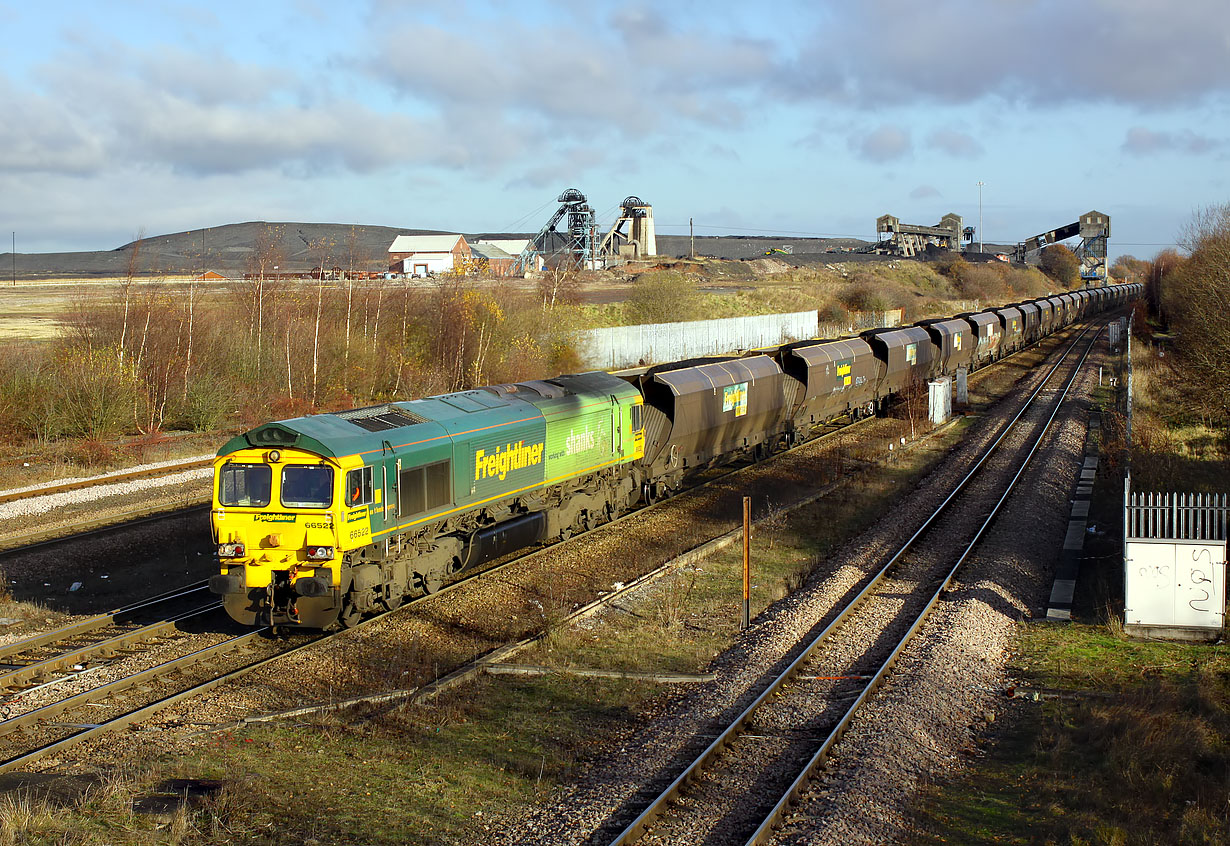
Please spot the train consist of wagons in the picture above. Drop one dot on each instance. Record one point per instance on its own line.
(326, 518)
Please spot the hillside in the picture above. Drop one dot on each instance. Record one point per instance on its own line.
(229, 249)
(301, 246)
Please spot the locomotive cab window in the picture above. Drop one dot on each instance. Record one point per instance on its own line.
(638, 422)
(359, 487)
(307, 486)
(426, 488)
(245, 485)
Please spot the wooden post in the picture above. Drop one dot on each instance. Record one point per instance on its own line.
(747, 561)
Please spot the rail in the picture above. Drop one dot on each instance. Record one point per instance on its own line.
(692, 772)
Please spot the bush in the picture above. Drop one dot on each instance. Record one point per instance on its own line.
(663, 296)
(96, 395)
(1194, 296)
(209, 402)
(1062, 265)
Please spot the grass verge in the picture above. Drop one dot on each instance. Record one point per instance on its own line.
(1135, 751)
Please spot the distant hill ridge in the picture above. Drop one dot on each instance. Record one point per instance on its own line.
(229, 249)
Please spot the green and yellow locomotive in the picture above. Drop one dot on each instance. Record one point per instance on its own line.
(332, 516)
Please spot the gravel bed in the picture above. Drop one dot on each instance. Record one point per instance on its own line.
(946, 686)
(632, 769)
(737, 792)
(110, 569)
(92, 677)
(102, 477)
(39, 505)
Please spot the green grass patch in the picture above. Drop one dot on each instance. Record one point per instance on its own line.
(421, 774)
(1137, 753)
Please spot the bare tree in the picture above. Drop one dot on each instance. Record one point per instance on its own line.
(265, 257)
(352, 249)
(323, 246)
(133, 264)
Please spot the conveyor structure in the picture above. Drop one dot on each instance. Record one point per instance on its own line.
(910, 239)
(1093, 227)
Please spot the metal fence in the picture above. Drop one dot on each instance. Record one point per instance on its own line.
(1176, 516)
(651, 343)
(617, 347)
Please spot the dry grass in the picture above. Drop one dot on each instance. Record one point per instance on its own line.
(1137, 754)
(1175, 446)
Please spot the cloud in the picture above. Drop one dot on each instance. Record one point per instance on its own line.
(885, 144)
(41, 135)
(115, 108)
(1043, 52)
(922, 192)
(954, 143)
(1145, 142)
(634, 73)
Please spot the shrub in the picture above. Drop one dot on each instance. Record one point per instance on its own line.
(1061, 264)
(663, 296)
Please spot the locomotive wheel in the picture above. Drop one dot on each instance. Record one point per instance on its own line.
(350, 616)
(392, 603)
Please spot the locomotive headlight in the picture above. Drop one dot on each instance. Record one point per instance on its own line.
(230, 550)
(319, 553)
(275, 456)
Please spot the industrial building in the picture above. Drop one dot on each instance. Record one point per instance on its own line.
(424, 255)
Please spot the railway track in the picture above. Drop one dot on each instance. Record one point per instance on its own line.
(124, 476)
(74, 647)
(141, 694)
(775, 744)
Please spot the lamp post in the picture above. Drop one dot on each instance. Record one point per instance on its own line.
(980, 245)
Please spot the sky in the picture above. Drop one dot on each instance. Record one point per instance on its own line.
(791, 118)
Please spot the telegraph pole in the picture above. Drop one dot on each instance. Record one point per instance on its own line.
(692, 239)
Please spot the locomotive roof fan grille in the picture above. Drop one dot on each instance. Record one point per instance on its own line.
(379, 418)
